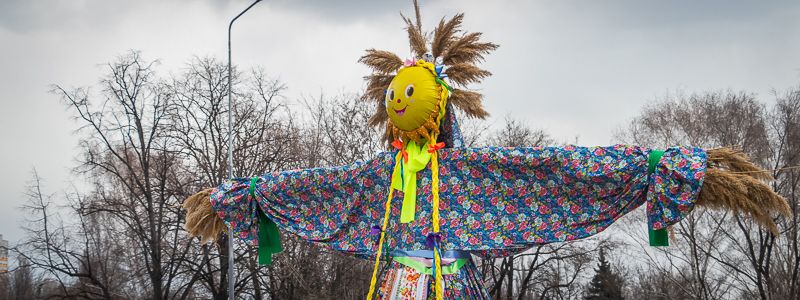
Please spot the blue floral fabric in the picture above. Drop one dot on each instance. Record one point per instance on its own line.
(450, 131)
(494, 200)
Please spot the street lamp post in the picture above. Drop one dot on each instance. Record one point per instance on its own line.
(231, 281)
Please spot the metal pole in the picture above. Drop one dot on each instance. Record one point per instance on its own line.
(231, 280)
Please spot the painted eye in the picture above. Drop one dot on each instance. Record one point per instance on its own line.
(409, 90)
(389, 95)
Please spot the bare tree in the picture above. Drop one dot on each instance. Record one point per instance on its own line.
(725, 256)
(263, 139)
(784, 128)
(82, 257)
(127, 156)
(153, 141)
(515, 133)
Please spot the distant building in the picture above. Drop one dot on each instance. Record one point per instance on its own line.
(3, 255)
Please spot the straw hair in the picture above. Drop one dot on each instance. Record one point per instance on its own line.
(469, 102)
(734, 183)
(444, 34)
(381, 61)
(376, 90)
(201, 220)
(459, 51)
(415, 37)
(736, 161)
(379, 117)
(466, 73)
(467, 49)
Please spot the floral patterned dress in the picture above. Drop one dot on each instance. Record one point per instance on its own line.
(494, 201)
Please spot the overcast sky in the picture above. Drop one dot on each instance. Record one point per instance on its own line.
(573, 68)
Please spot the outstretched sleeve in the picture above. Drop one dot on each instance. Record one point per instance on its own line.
(329, 206)
(513, 198)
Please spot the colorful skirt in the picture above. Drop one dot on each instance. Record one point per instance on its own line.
(407, 283)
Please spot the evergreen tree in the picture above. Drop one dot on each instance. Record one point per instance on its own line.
(605, 285)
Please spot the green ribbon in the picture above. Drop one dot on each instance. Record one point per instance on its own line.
(445, 85)
(657, 237)
(269, 239)
(653, 159)
(418, 158)
(423, 269)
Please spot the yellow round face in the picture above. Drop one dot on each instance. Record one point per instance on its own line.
(412, 97)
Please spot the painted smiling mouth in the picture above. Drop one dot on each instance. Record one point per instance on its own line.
(400, 112)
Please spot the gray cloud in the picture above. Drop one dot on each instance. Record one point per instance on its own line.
(572, 68)
(344, 10)
(27, 16)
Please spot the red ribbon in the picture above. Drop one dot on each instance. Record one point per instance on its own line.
(435, 147)
(399, 145)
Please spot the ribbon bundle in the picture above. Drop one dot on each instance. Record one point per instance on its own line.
(269, 239)
(657, 237)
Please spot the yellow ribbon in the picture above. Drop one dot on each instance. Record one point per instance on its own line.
(386, 214)
(437, 255)
(418, 158)
(437, 259)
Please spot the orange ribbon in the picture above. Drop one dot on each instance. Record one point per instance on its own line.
(399, 145)
(435, 147)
